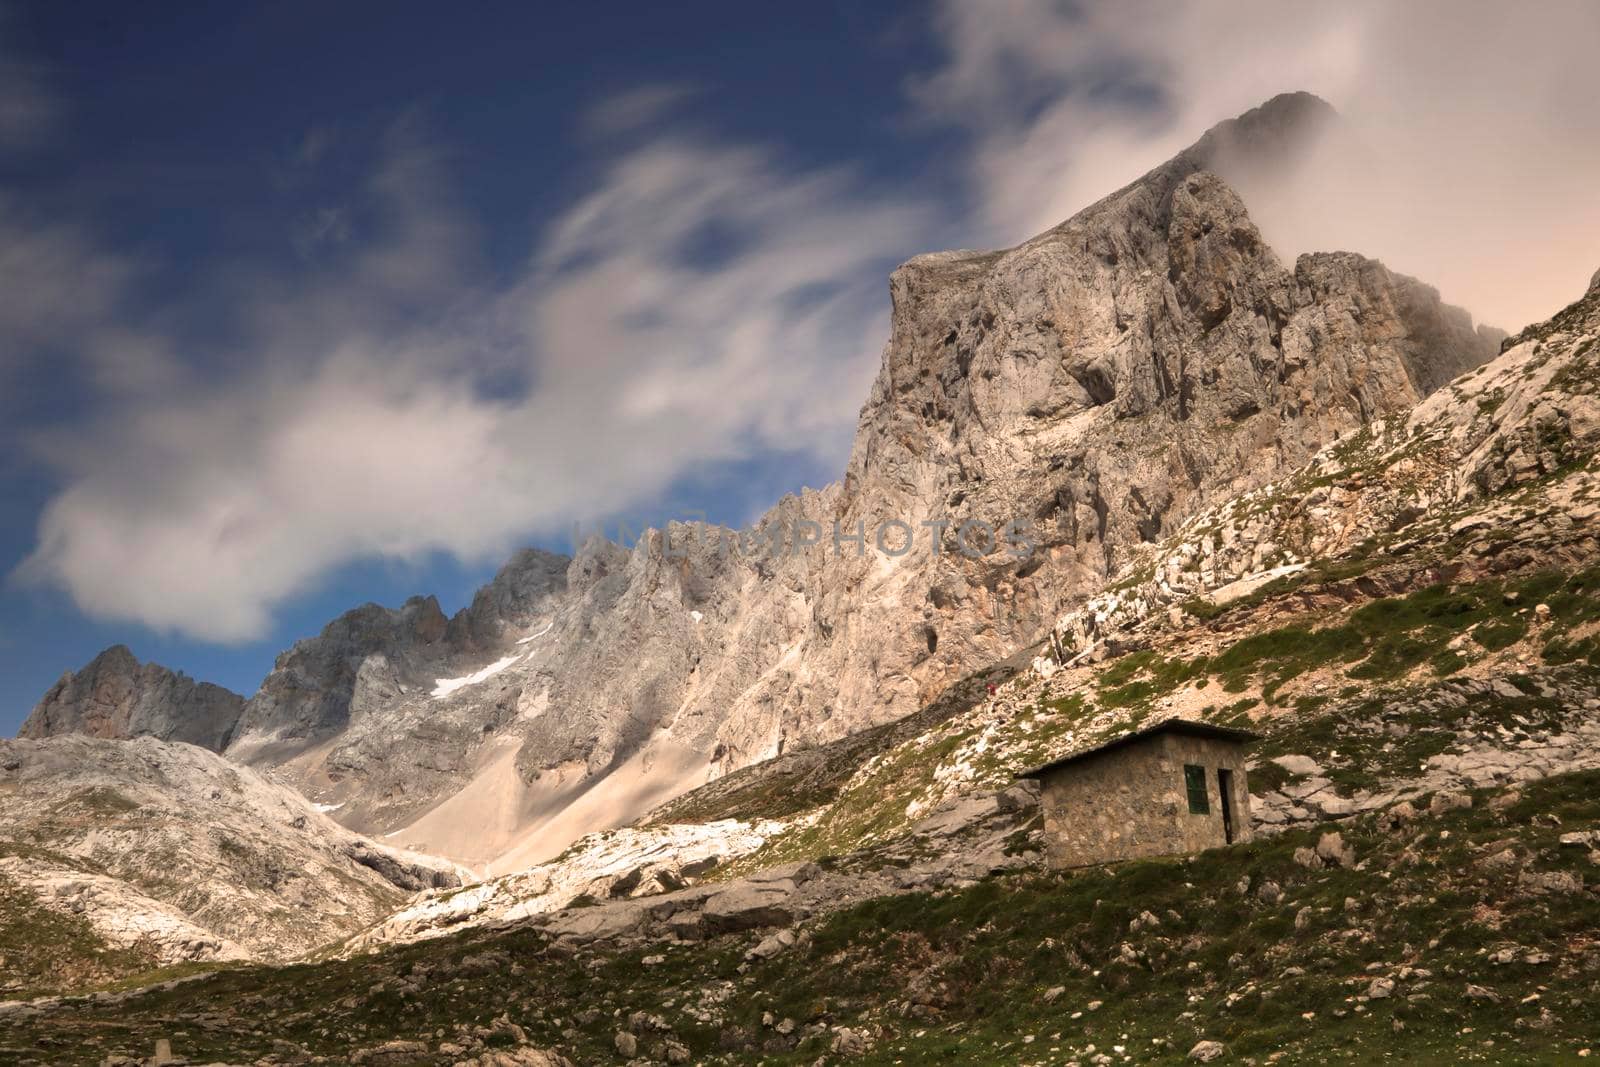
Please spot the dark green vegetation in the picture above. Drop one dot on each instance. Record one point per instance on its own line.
(44, 949)
(1382, 640)
(1480, 918)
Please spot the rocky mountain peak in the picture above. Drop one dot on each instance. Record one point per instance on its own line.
(372, 656)
(1259, 148)
(1274, 133)
(115, 696)
(511, 600)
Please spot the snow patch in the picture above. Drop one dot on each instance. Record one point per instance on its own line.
(325, 808)
(696, 616)
(443, 687)
(591, 866)
(541, 633)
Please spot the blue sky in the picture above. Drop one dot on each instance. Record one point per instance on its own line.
(198, 137)
(306, 305)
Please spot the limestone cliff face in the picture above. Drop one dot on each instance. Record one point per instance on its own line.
(1102, 382)
(1489, 488)
(1099, 383)
(117, 697)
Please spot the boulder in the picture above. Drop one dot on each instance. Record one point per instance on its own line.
(598, 923)
(851, 1042)
(516, 1057)
(1304, 766)
(1332, 850)
(750, 905)
(957, 814)
(685, 926)
(771, 945)
(1021, 797)
(1550, 882)
(393, 1054)
(799, 872)
(1308, 858)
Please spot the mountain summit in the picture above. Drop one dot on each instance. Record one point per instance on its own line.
(115, 696)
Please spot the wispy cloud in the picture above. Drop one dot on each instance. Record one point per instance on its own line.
(703, 303)
(54, 280)
(634, 109)
(28, 110)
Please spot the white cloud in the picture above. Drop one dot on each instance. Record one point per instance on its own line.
(702, 303)
(1475, 135)
(635, 109)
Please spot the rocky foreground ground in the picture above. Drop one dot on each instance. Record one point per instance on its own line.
(1461, 928)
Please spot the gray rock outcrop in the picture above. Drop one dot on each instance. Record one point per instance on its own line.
(115, 696)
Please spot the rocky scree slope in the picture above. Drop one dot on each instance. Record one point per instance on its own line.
(174, 854)
(116, 696)
(1103, 381)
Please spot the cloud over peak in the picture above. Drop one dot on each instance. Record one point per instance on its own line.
(702, 303)
(1469, 146)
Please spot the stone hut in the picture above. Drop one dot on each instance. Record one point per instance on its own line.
(1170, 789)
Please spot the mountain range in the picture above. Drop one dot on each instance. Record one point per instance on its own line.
(1309, 498)
(1100, 384)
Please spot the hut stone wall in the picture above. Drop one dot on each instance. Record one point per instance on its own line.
(1132, 801)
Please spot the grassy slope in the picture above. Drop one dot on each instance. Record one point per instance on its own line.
(1373, 651)
(42, 950)
(1393, 642)
(1437, 895)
